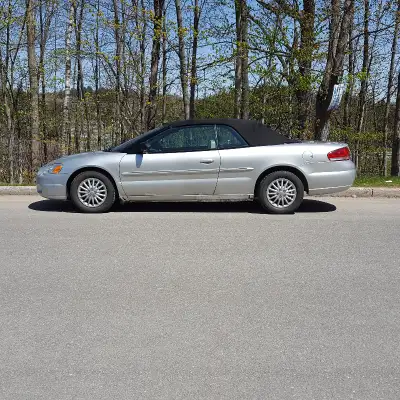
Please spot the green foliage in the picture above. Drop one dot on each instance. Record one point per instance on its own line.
(216, 106)
(377, 181)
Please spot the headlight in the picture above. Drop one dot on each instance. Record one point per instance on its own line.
(55, 169)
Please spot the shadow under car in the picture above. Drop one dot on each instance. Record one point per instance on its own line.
(307, 206)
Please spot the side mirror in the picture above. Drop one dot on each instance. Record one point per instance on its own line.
(144, 147)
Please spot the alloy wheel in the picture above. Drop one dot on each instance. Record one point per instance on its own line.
(281, 193)
(92, 192)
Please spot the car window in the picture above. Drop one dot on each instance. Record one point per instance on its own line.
(131, 146)
(228, 138)
(185, 139)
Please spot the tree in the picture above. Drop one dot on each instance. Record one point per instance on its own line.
(182, 59)
(350, 81)
(155, 59)
(46, 12)
(96, 75)
(66, 122)
(395, 170)
(140, 27)
(301, 52)
(390, 86)
(164, 68)
(364, 71)
(8, 59)
(193, 72)
(33, 84)
(305, 58)
(79, 6)
(118, 53)
(241, 102)
(338, 44)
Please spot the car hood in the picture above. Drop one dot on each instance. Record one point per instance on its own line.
(101, 159)
(76, 157)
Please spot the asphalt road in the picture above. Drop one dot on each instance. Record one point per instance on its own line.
(200, 301)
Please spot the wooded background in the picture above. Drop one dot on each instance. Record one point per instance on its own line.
(82, 75)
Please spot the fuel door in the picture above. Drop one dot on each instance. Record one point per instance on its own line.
(308, 157)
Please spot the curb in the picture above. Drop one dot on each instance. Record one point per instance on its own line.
(355, 192)
(18, 190)
(376, 192)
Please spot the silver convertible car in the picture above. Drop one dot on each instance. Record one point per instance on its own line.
(201, 160)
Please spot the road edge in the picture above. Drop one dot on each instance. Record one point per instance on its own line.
(376, 192)
(352, 192)
(18, 190)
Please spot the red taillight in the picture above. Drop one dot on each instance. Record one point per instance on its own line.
(339, 154)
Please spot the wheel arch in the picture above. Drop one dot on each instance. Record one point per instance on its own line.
(90, 168)
(287, 168)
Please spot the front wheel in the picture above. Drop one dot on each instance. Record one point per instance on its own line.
(92, 192)
(280, 192)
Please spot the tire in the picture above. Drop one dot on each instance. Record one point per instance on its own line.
(280, 192)
(92, 192)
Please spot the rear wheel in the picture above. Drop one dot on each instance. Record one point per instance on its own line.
(280, 192)
(92, 192)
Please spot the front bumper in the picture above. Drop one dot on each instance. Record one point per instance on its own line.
(52, 186)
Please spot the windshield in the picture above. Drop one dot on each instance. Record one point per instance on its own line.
(123, 147)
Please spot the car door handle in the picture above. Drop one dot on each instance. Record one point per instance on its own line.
(207, 161)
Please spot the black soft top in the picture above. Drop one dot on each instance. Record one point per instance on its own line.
(255, 133)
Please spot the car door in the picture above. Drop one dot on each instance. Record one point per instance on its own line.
(236, 175)
(181, 161)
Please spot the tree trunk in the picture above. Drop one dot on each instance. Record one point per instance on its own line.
(390, 87)
(33, 85)
(97, 79)
(117, 36)
(66, 124)
(143, 122)
(241, 99)
(45, 22)
(374, 108)
(350, 84)
(238, 60)
(364, 72)
(307, 40)
(193, 73)
(11, 138)
(244, 106)
(164, 71)
(290, 72)
(22, 153)
(182, 59)
(42, 79)
(333, 71)
(395, 170)
(11, 141)
(5, 94)
(155, 59)
(83, 114)
(79, 79)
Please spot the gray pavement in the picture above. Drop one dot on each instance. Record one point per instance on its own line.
(200, 301)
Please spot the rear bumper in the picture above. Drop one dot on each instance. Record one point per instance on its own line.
(332, 181)
(52, 186)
